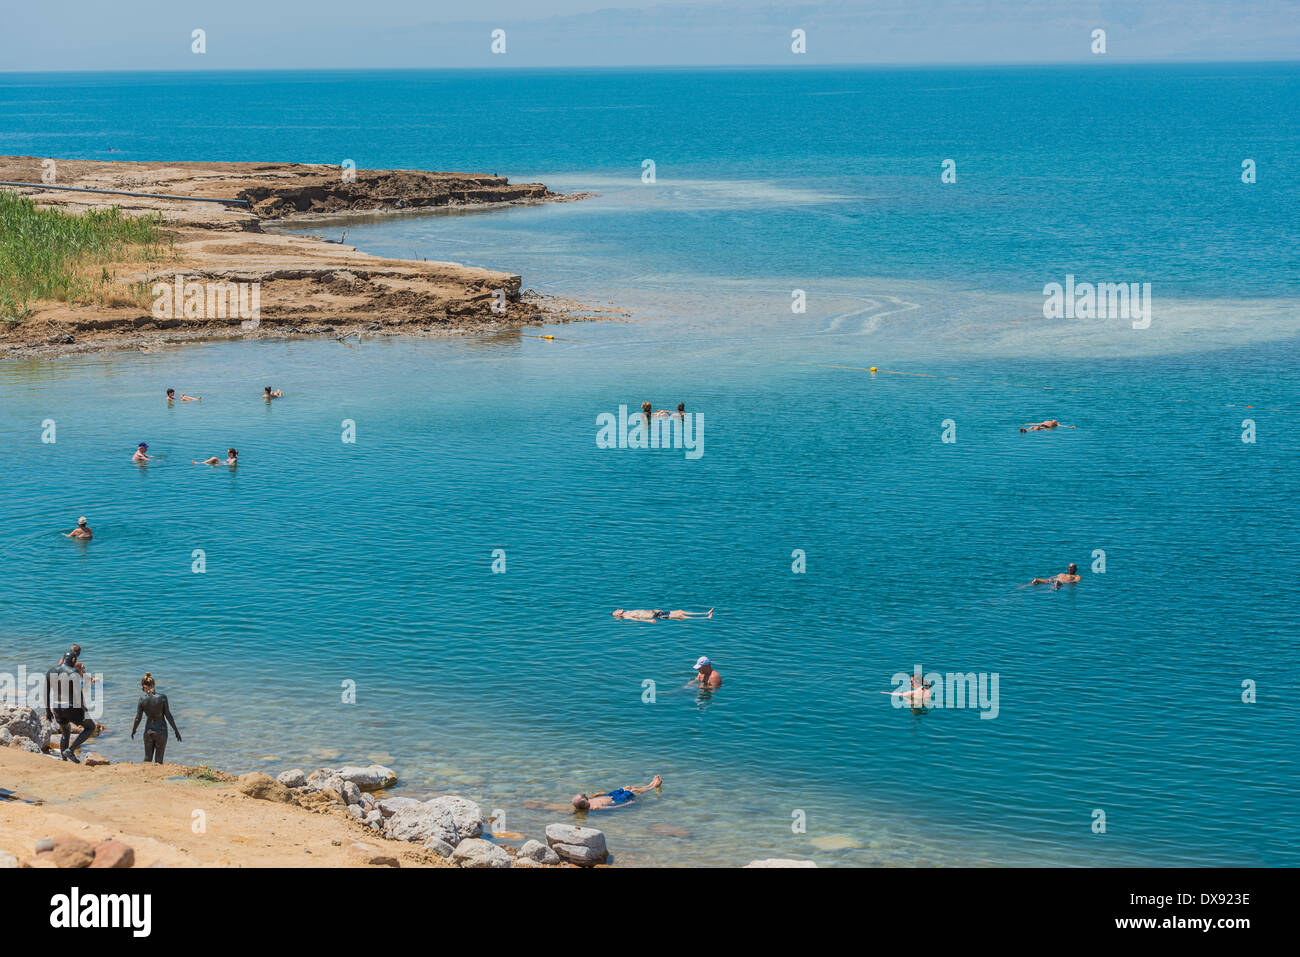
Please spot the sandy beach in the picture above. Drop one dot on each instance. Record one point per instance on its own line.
(306, 286)
(152, 809)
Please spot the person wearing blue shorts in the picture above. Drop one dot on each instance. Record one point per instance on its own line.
(619, 797)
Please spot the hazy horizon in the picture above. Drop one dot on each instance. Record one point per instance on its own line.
(84, 36)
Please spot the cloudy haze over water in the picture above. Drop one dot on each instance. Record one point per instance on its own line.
(344, 34)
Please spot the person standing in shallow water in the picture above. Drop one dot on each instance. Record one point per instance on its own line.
(154, 708)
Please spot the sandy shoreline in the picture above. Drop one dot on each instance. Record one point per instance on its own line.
(307, 286)
(152, 808)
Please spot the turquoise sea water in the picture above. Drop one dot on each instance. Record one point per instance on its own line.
(372, 562)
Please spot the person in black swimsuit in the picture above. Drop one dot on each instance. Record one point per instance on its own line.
(159, 715)
(65, 704)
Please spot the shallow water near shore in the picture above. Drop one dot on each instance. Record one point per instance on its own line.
(372, 562)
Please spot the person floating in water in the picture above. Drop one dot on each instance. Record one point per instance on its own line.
(268, 393)
(81, 531)
(142, 454)
(705, 674)
(1068, 577)
(615, 798)
(1045, 425)
(158, 714)
(232, 458)
(65, 704)
(658, 614)
(681, 410)
(171, 397)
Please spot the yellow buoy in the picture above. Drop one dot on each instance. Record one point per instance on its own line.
(873, 368)
(548, 337)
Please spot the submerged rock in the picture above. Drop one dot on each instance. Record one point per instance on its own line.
(780, 862)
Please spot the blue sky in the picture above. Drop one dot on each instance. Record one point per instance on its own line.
(349, 34)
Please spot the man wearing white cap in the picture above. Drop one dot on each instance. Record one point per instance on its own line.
(81, 531)
(705, 675)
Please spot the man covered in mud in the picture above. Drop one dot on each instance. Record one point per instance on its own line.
(65, 702)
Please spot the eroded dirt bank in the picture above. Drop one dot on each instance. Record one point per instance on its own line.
(304, 286)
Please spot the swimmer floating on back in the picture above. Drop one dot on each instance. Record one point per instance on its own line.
(268, 393)
(171, 397)
(681, 410)
(232, 459)
(1045, 426)
(615, 798)
(658, 614)
(1068, 577)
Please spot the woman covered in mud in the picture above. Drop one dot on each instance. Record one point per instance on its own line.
(153, 706)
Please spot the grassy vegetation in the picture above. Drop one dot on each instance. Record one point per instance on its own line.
(49, 254)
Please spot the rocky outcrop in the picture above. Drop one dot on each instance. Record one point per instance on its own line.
(469, 819)
(422, 823)
(326, 190)
(22, 722)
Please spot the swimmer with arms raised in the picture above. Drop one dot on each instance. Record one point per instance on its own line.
(658, 614)
(615, 798)
(1068, 577)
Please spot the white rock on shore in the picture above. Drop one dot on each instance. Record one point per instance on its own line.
(584, 846)
(424, 822)
(539, 852)
(467, 815)
(293, 779)
(441, 848)
(476, 852)
(390, 806)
